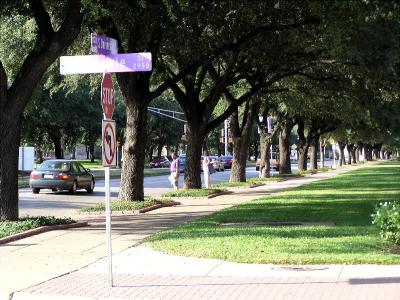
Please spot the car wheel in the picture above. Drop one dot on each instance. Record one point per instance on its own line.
(91, 187)
(35, 190)
(73, 189)
(257, 168)
(54, 190)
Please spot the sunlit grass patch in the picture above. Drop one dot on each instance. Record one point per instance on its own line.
(347, 200)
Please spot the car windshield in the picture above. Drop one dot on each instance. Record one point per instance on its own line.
(55, 165)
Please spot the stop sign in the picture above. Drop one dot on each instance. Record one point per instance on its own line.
(107, 96)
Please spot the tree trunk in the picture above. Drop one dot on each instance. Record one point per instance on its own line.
(322, 153)
(341, 153)
(91, 152)
(302, 147)
(39, 156)
(314, 152)
(377, 150)
(360, 154)
(159, 149)
(353, 154)
(284, 149)
(13, 99)
(9, 143)
(350, 148)
(240, 149)
(265, 145)
(241, 140)
(55, 137)
(195, 138)
(302, 161)
(131, 188)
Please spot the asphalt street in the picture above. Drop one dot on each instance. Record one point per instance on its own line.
(62, 204)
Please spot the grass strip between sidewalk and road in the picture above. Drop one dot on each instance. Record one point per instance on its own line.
(347, 201)
(129, 206)
(249, 183)
(8, 228)
(193, 192)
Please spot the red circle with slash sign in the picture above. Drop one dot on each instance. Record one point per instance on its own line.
(109, 144)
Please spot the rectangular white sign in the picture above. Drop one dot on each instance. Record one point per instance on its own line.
(109, 143)
(113, 63)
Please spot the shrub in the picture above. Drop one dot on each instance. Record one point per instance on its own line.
(387, 218)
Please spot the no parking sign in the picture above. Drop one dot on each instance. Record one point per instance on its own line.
(109, 143)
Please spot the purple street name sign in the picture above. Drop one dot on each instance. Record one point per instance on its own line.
(113, 63)
(103, 45)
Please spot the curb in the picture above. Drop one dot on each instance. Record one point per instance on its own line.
(131, 212)
(157, 206)
(41, 229)
(244, 187)
(219, 194)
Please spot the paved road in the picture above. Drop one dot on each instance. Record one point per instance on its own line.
(62, 204)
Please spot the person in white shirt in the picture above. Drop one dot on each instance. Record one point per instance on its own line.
(206, 170)
(174, 177)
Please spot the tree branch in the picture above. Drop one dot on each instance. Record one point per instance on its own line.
(262, 29)
(180, 98)
(44, 54)
(42, 18)
(232, 107)
(172, 81)
(199, 80)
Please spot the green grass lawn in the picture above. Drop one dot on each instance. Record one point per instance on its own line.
(118, 205)
(193, 192)
(347, 200)
(22, 183)
(97, 164)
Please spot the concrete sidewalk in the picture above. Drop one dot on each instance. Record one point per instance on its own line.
(28, 266)
(142, 273)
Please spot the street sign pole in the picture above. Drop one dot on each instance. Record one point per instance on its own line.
(108, 226)
(107, 60)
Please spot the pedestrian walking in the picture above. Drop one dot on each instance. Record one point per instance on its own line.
(208, 169)
(174, 177)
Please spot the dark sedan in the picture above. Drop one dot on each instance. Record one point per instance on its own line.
(160, 162)
(227, 161)
(61, 174)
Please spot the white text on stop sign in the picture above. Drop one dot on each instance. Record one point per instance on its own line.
(108, 95)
